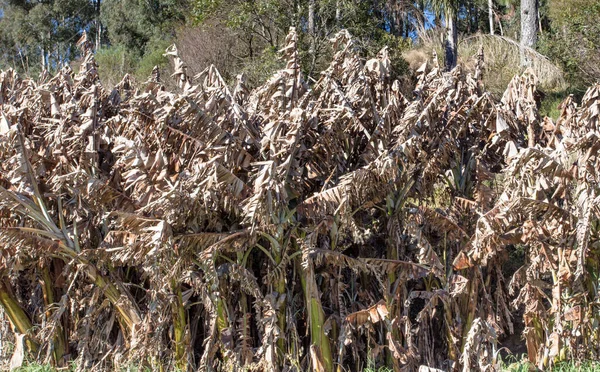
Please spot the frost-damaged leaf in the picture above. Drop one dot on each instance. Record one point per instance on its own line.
(429, 369)
(18, 357)
(372, 315)
(195, 226)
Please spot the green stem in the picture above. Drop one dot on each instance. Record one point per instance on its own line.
(318, 339)
(222, 324)
(126, 308)
(280, 288)
(179, 327)
(471, 308)
(59, 348)
(129, 314)
(392, 253)
(245, 357)
(17, 316)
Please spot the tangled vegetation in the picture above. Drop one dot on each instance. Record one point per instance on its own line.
(296, 227)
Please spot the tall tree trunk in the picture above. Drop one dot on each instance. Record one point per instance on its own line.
(338, 12)
(26, 69)
(451, 41)
(297, 14)
(421, 15)
(477, 19)
(500, 26)
(312, 34)
(469, 18)
(43, 54)
(98, 25)
(311, 19)
(529, 27)
(491, 15)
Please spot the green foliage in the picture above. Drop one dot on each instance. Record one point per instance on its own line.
(153, 56)
(523, 366)
(570, 366)
(262, 25)
(41, 34)
(550, 103)
(574, 39)
(371, 367)
(203, 9)
(370, 44)
(135, 23)
(36, 368)
(260, 69)
(126, 23)
(73, 367)
(380, 369)
(116, 61)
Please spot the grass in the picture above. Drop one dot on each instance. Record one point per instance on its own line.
(588, 366)
(35, 368)
(568, 366)
(549, 105)
(517, 366)
(375, 369)
(71, 368)
(371, 367)
(553, 98)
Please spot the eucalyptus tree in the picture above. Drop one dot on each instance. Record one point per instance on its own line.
(40, 35)
(529, 28)
(491, 15)
(133, 23)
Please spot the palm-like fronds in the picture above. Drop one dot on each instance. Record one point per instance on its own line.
(294, 226)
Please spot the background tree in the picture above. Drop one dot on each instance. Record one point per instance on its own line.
(242, 36)
(529, 28)
(137, 34)
(448, 9)
(291, 229)
(134, 24)
(262, 25)
(491, 15)
(42, 34)
(572, 39)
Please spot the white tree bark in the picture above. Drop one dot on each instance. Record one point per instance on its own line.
(491, 15)
(529, 27)
(311, 17)
(43, 54)
(98, 25)
(311, 28)
(451, 41)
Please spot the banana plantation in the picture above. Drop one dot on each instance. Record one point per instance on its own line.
(305, 225)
